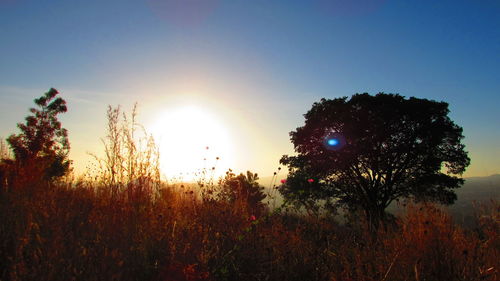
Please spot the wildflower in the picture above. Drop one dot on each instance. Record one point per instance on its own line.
(252, 218)
(310, 180)
(283, 181)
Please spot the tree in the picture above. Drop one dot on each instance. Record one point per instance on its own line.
(365, 152)
(42, 144)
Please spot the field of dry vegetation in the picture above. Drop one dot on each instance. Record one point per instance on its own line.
(122, 222)
(142, 231)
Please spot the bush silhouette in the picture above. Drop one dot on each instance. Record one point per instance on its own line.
(243, 190)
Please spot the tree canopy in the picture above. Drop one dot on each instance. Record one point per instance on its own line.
(43, 143)
(367, 151)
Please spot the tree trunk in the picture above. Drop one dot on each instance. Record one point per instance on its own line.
(375, 216)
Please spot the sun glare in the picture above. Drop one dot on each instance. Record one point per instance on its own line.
(192, 141)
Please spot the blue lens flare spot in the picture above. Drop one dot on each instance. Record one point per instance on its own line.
(333, 142)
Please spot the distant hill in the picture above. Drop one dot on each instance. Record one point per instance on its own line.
(474, 188)
(479, 188)
(475, 191)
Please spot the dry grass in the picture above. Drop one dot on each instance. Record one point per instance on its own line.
(68, 233)
(123, 223)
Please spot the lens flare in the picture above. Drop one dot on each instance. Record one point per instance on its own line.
(334, 141)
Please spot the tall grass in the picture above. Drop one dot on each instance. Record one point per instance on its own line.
(123, 223)
(67, 233)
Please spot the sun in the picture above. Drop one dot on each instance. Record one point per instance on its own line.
(191, 141)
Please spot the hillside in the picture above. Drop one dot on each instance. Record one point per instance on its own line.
(475, 191)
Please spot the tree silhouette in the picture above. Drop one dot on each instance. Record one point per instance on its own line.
(42, 146)
(367, 151)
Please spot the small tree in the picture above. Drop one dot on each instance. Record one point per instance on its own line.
(42, 144)
(366, 152)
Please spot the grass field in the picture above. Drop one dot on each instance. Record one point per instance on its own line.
(87, 232)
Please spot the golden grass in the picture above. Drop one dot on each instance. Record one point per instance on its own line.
(81, 233)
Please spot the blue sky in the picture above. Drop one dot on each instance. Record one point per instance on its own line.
(259, 64)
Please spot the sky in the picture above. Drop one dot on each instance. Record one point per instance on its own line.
(248, 70)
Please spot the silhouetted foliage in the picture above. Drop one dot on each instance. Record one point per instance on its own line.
(42, 147)
(86, 232)
(131, 157)
(394, 148)
(243, 188)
